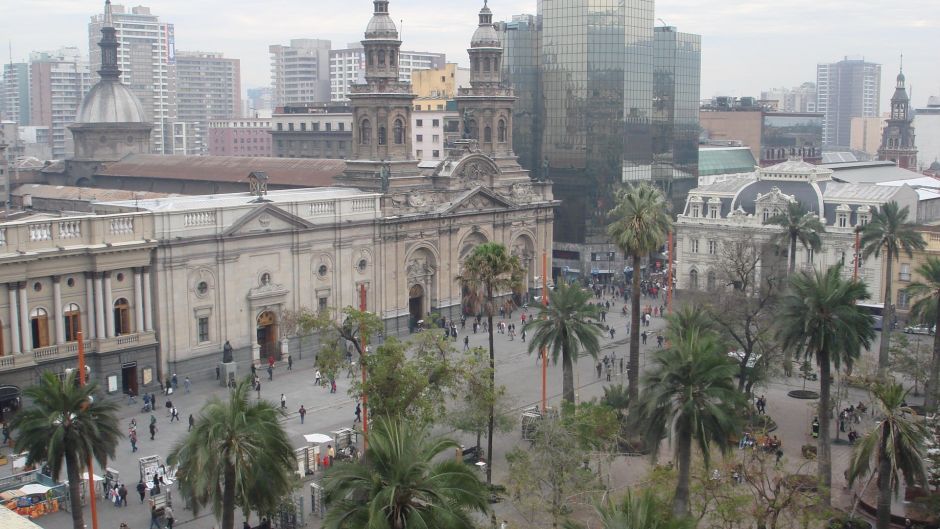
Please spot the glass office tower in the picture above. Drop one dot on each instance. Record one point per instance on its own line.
(521, 39)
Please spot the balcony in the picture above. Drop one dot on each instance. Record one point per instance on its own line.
(52, 235)
(70, 350)
(904, 276)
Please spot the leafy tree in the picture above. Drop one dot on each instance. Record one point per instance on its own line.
(818, 318)
(798, 225)
(351, 325)
(490, 270)
(889, 231)
(566, 327)
(927, 309)
(403, 482)
(237, 455)
(910, 358)
(641, 224)
(471, 412)
(690, 391)
(895, 445)
(639, 509)
(70, 424)
(301, 322)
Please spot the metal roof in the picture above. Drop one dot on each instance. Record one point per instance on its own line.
(290, 172)
(868, 173)
(83, 193)
(725, 160)
(850, 192)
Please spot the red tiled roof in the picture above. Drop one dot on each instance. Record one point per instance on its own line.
(295, 172)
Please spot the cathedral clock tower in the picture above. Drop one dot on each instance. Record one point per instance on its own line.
(897, 141)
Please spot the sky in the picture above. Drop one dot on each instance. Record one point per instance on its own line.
(747, 45)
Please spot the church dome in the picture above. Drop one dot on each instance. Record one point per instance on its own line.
(485, 37)
(381, 27)
(935, 166)
(111, 102)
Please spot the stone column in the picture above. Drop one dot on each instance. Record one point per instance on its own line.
(25, 329)
(14, 322)
(99, 307)
(108, 305)
(147, 300)
(57, 310)
(138, 302)
(89, 328)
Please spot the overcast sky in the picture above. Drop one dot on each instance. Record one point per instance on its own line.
(747, 45)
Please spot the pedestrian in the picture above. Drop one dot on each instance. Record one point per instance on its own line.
(175, 382)
(598, 368)
(218, 373)
(192, 422)
(154, 515)
(523, 335)
(258, 389)
(611, 333)
(283, 401)
(331, 453)
(317, 377)
(302, 412)
(141, 490)
(254, 370)
(175, 415)
(608, 373)
(168, 515)
(332, 385)
(643, 337)
(659, 340)
(187, 384)
(155, 490)
(122, 492)
(290, 363)
(133, 439)
(153, 430)
(270, 372)
(358, 413)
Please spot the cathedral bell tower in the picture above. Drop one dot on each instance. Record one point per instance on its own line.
(897, 141)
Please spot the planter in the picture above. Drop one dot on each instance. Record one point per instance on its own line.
(803, 394)
(803, 482)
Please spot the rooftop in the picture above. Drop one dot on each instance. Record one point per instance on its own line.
(83, 193)
(200, 202)
(725, 160)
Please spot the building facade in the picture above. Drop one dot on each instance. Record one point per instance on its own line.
(521, 38)
(208, 87)
(148, 65)
(58, 81)
(240, 137)
(897, 142)
(347, 68)
(300, 72)
(772, 136)
(312, 131)
(846, 89)
(797, 99)
(927, 141)
(14, 96)
(866, 135)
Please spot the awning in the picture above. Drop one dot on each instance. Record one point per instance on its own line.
(318, 438)
(34, 488)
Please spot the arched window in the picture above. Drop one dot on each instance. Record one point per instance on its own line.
(473, 129)
(710, 281)
(486, 64)
(383, 139)
(501, 131)
(487, 134)
(399, 132)
(365, 132)
(475, 64)
(381, 57)
(370, 58)
(73, 322)
(39, 327)
(693, 280)
(122, 317)
(391, 58)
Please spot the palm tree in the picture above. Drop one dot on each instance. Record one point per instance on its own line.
(798, 225)
(895, 445)
(402, 482)
(489, 271)
(641, 223)
(818, 317)
(237, 454)
(65, 422)
(690, 393)
(927, 308)
(889, 231)
(567, 326)
(637, 510)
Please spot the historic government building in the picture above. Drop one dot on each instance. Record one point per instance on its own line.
(159, 284)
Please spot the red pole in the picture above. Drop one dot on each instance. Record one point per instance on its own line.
(544, 351)
(91, 473)
(669, 274)
(858, 236)
(365, 399)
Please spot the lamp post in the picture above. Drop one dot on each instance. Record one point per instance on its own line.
(544, 351)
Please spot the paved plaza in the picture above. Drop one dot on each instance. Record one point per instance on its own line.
(516, 369)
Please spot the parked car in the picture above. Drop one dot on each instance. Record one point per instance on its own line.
(919, 329)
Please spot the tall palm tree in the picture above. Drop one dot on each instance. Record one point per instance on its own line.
(637, 510)
(895, 445)
(690, 393)
(818, 317)
(568, 325)
(889, 231)
(640, 226)
(927, 308)
(800, 226)
(67, 423)
(237, 451)
(490, 270)
(404, 483)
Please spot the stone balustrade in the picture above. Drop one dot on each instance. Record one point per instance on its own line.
(70, 350)
(31, 236)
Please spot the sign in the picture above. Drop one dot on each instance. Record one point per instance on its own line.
(603, 256)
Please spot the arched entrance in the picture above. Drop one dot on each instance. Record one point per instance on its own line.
(415, 305)
(267, 334)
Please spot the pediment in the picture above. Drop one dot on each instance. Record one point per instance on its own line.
(478, 199)
(267, 218)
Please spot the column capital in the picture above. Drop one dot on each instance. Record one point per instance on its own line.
(90, 275)
(56, 278)
(106, 274)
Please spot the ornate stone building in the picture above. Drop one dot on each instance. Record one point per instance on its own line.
(897, 140)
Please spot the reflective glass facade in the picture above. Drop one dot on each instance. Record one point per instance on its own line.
(784, 135)
(521, 40)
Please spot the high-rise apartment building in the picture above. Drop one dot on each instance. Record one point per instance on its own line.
(347, 67)
(850, 88)
(58, 81)
(300, 72)
(147, 60)
(797, 99)
(14, 93)
(208, 87)
(260, 102)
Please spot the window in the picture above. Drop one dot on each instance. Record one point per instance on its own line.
(419, 153)
(435, 123)
(905, 273)
(436, 138)
(712, 247)
(342, 127)
(290, 127)
(713, 211)
(501, 131)
(693, 246)
(383, 139)
(693, 280)
(435, 153)
(202, 329)
(280, 127)
(328, 126)
(487, 134)
(710, 281)
(904, 299)
(766, 214)
(365, 132)
(73, 322)
(843, 220)
(39, 327)
(419, 138)
(122, 318)
(419, 122)
(694, 211)
(303, 127)
(322, 304)
(316, 126)
(399, 132)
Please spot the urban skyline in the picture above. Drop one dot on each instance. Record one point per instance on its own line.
(763, 51)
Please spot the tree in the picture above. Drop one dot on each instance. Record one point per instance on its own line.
(566, 327)
(67, 423)
(889, 231)
(489, 271)
(818, 318)
(471, 413)
(301, 322)
(237, 455)
(927, 308)
(800, 226)
(641, 224)
(895, 445)
(353, 326)
(640, 509)
(403, 482)
(690, 394)
(910, 358)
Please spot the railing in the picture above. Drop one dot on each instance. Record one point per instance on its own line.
(26, 236)
(45, 353)
(3, 236)
(121, 226)
(363, 204)
(904, 276)
(323, 208)
(70, 229)
(199, 218)
(8, 360)
(40, 232)
(127, 339)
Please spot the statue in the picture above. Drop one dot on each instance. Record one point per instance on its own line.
(467, 120)
(385, 174)
(227, 352)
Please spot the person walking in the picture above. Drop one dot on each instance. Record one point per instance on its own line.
(317, 377)
(358, 413)
(122, 493)
(154, 515)
(330, 452)
(270, 372)
(187, 384)
(332, 385)
(175, 382)
(302, 412)
(258, 389)
(168, 515)
(192, 422)
(141, 490)
(283, 402)
(290, 363)
(153, 429)
(466, 343)
(132, 437)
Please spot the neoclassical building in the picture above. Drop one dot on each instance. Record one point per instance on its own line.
(736, 208)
